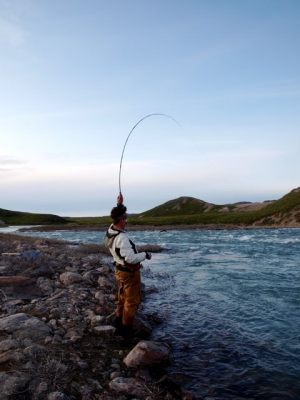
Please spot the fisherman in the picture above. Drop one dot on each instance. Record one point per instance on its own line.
(127, 261)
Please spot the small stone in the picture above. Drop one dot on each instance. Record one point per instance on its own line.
(105, 330)
(115, 374)
(96, 319)
(69, 278)
(57, 396)
(104, 282)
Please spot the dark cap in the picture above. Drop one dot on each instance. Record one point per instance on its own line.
(117, 213)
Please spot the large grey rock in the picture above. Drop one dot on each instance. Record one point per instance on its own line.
(129, 386)
(147, 353)
(22, 326)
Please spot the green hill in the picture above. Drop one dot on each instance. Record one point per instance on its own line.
(23, 218)
(188, 210)
(179, 207)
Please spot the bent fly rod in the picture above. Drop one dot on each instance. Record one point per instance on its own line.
(133, 128)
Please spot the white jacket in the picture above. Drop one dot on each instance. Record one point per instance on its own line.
(122, 248)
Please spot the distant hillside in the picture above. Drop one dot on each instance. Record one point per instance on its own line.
(22, 218)
(180, 206)
(188, 210)
(284, 212)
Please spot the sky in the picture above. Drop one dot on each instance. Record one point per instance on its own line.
(75, 76)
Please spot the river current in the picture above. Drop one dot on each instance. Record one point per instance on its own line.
(230, 304)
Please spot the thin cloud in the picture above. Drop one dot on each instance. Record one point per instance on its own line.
(11, 161)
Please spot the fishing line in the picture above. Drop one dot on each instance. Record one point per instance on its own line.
(133, 128)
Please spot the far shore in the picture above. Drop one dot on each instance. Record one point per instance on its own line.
(163, 228)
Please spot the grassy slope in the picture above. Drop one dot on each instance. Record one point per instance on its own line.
(194, 213)
(22, 218)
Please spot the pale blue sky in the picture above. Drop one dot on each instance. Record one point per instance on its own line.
(75, 76)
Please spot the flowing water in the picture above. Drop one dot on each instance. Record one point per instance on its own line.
(230, 300)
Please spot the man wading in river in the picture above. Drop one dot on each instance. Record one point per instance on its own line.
(127, 263)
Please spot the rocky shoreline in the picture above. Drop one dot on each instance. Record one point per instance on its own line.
(57, 334)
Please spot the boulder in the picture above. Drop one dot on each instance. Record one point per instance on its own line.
(146, 354)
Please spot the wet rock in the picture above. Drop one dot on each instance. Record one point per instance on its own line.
(128, 386)
(147, 353)
(69, 278)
